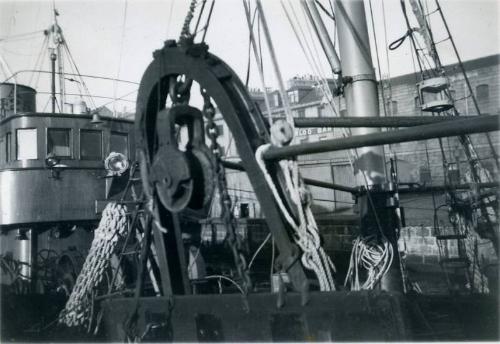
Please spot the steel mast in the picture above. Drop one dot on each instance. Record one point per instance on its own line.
(361, 96)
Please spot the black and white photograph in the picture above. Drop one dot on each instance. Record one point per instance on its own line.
(249, 171)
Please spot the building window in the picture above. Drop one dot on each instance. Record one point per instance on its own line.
(301, 113)
(91, 145)
(453, 94)
(59, 142)
(2, 149)
(119, 143)
(276, 99)
(320, 110)
(483, 92)
(425, 174)
(293, 96)
(394, 107)
(26, 144)
(8, 146)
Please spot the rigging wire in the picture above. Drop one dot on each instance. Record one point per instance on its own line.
(247, 78)
(386, 46)
(378, 59)
(169, 20)
(115, 84)
(208, 21)
(21, 36)
(274, 61)
(72, 74)
(82, 81)
(39, 61)
(330, 15)
(200, 15)
(258, 58)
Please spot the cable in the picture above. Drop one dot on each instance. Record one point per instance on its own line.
(258, 250)
(21, 36)
(208, 21)
(72, 74)
(258, 57)
(249, 47)
(330, 15)
(169, 20)
(227, 279)
(122, 39)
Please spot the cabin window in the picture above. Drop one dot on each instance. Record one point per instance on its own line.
(119, 143)
(91, 145)
(59, 142)
(8, 146)
(301, 113)
(26, 144)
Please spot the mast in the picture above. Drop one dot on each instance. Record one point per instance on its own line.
(54, 32)
(59, 41)
(361, 96)
(53, 58)
(322, 33)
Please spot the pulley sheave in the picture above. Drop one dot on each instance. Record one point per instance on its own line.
(182, 178)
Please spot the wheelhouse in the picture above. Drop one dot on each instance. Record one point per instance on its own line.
(52, 166)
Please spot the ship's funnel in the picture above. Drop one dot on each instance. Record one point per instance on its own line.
(16, 98)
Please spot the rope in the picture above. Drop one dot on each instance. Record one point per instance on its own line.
(376, 258)
(352, 153)
(398, 42)
(227, 279)
(258, 250)
(306, 234)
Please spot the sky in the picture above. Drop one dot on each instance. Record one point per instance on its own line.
(116, 38)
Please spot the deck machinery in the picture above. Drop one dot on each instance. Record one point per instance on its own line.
(181, 181)
(179, 175)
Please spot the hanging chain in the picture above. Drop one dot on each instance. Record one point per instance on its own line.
(185, 34)
(112, 228)
(225, 201)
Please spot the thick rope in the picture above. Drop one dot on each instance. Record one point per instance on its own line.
(306, 234)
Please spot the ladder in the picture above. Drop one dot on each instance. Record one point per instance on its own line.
(133, 197)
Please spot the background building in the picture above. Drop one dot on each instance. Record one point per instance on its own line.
(418, 162)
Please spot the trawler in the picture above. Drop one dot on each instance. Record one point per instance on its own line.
(194, 273)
